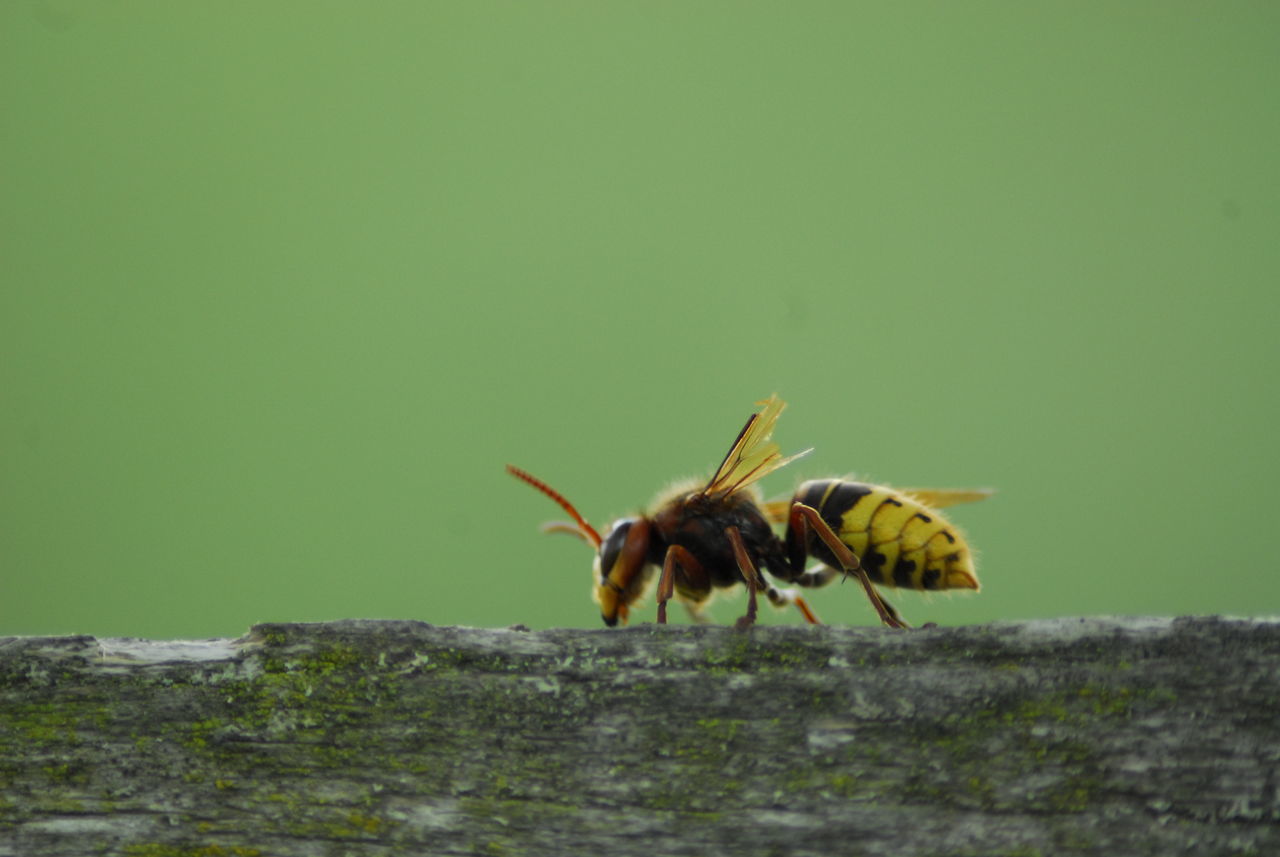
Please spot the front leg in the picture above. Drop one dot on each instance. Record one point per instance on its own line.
(694, 576)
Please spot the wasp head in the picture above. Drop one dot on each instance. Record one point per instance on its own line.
(621, 570)
(618, 574)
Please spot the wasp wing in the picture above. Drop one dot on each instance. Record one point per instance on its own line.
(941, 497)
(776, 511)
(752, 456)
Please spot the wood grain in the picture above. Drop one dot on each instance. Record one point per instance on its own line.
(1073, 736)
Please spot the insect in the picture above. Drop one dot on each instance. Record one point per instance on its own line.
(703, 537)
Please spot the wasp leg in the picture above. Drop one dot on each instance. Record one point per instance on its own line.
(749, 574)
(695, 575)
(892, 611)
(783, 597)
(821, 576)
(696, 615)
(803, 516)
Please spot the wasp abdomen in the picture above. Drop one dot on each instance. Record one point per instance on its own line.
(899, 541)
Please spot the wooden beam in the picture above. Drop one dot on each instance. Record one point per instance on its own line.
(1071, 736)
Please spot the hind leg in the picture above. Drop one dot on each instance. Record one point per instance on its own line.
(803, 517)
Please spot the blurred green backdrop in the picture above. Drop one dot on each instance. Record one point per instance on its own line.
(286, 284)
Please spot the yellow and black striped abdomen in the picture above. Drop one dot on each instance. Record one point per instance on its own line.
(899, 540)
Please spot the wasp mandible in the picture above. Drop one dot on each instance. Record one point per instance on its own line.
(704, 537)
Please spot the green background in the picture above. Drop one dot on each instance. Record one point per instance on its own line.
(285, 285)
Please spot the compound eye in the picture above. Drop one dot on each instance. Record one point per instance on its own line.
(612, 546)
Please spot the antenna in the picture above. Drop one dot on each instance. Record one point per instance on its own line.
(588, 532)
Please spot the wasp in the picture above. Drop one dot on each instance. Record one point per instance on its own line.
(703, 537)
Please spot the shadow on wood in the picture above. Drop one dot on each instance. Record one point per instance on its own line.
(1071, 736)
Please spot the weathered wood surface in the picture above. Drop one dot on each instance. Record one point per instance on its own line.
(1079, 736)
